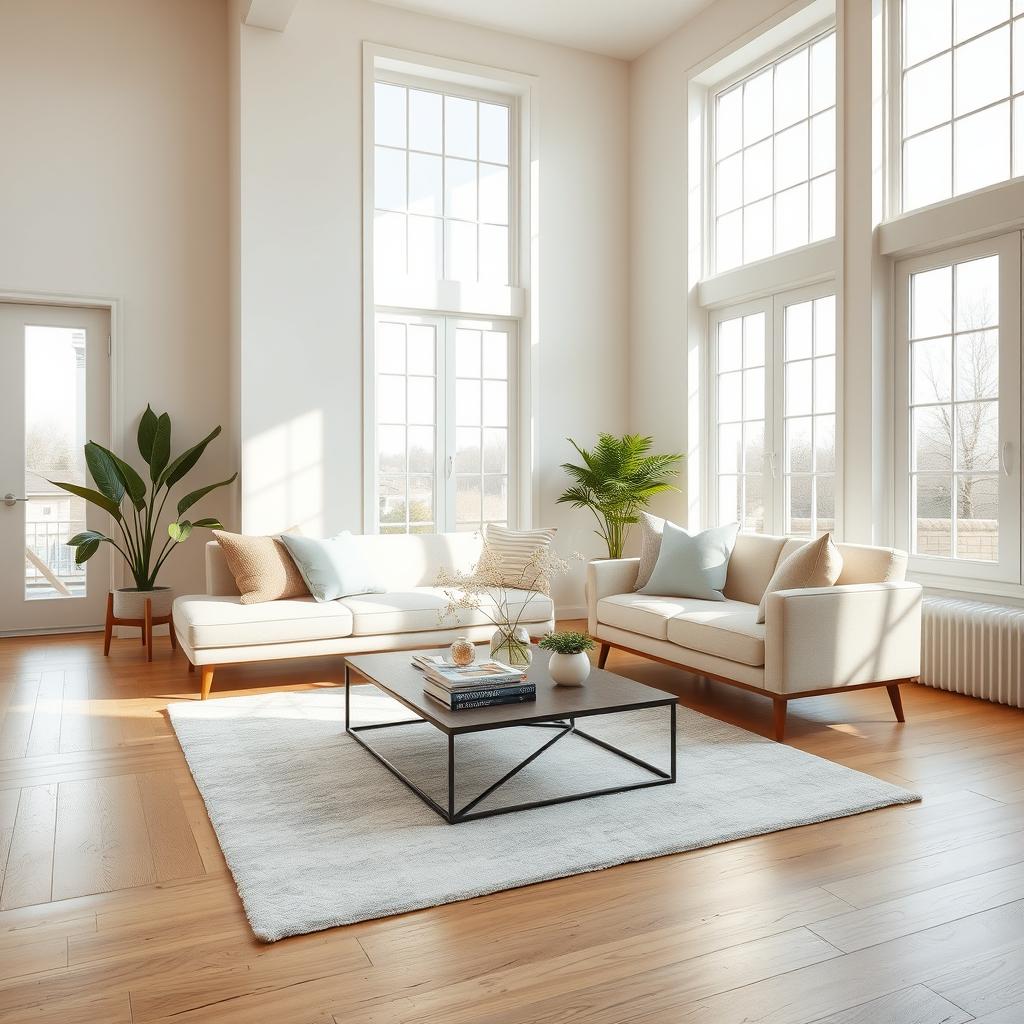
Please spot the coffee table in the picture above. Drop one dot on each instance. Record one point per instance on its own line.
(556, 708)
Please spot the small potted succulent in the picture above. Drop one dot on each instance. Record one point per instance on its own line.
(569, 664)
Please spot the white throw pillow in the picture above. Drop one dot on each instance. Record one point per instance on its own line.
(651, 528)
(332, 568)
(693, 565)
(816, 564)
(515, 549)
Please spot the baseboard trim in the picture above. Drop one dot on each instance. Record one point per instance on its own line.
(50, 631)
(578, 611)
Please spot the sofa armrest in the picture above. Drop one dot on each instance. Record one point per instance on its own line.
(824, 637)
(606, 577)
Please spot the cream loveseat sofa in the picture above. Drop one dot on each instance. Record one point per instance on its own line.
(215, 628)
(864, 631)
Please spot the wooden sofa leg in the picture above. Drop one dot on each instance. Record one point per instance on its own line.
(207, 681)
(779, 704)
(897, 701)
(602, 658)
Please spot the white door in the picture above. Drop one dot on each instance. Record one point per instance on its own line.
(54, 396)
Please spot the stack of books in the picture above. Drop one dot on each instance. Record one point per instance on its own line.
(483, 685)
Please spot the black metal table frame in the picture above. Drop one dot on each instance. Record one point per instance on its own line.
(564, 725)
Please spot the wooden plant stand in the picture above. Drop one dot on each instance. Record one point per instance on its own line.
(146, 624)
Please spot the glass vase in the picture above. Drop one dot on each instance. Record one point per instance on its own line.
(512, 646)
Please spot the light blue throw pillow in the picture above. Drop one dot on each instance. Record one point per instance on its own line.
(692, 564)
(331, 568)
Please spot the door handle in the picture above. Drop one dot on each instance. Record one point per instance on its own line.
(1004, 457)
(10, 499)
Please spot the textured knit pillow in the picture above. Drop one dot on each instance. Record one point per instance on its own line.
(693, 564)
(816, 564)
(515, 548)
(262, 567)
(332, 568)
(651, 528)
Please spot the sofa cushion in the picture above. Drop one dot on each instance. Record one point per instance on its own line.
(418, 609)
(205, 620)
(692, 564)
(754, 557)
(814, 564)
(726, 630)
(645, 614)
(262, 567)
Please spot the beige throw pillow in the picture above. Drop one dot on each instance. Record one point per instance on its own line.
(515, 548)
(651, 529)
(816, 564)
(262, 567)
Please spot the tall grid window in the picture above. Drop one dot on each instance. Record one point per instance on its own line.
(442, 192)
(774, 390)
(962, 96)
(775, 157)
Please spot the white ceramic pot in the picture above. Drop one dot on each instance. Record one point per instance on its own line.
(569, 669)
(130, 602)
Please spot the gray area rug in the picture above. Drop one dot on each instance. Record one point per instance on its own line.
(318, 834)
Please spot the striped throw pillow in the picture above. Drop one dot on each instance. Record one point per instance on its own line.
(515, 548)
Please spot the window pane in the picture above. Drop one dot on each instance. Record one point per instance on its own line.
(757, 231)
(467, 403)
(495, 499)
(730, 397)
(493, 254)
(421, 449)
(729, 240)
(757, 107)
(933, 532)
(460, 251)
(824, 504)
(798, 445)
(974, 16)
(426, 195)
(390, 399)
(926, 168)
(791, 218)
(799, 330)
(729, 183)
(729, 122)
(495, 400)
(927, 29)
(493, 194)
(753, 447)
(757, 171)
(977, 294)
(823, 142)
(932, 438)
(825, 325)
(791, 156)
(389, 179)
(426, 242)
(388, 244)
(494, 132)
(753, 339)
(982, 71)
(791, 90)
(425, 120)
(421, 399)
(1018, 55)
(467, 353)
(798, 388)
(391, 449)
(823, 207)
(1018, 128)
(798, 507)
(729, 495)
(825, 444)
(467, 499)
(931, 297)
(932, 370)
(495, 450)
(467, 450)
(977, 437)
(730, 344)
(421, 499)
(823, 73)
(927, 95)
(753, 394)
(460, 127)
(977, 518)
(495, 354)
(825, 384)
(982, 146)
(389, 115)
(460, 189)
(730, 441)
(753, 504)
(390, 348)
(977, 366)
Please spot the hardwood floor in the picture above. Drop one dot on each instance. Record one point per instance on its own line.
(116, 906)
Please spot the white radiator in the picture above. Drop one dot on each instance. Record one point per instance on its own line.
(973, 648)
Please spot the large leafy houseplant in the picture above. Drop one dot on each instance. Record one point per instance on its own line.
(137, 507)
(616, 481)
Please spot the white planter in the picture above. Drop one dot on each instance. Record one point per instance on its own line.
(569, 669)
(130, 602)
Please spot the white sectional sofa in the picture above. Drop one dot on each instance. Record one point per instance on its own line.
(215, 628)
(864, 631)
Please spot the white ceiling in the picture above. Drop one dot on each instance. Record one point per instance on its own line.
(615, 28)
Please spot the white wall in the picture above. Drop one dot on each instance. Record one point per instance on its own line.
(300, 191)
(113, 183)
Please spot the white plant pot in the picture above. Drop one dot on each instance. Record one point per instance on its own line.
(569, 669)
(130, 602)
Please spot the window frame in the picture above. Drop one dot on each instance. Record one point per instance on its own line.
(773, 306)
(775, 54)
(938, 570)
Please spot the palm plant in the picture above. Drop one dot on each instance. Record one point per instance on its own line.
(139, 522)
(617, 480)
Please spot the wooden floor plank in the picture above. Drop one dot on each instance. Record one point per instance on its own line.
(29, 871)
(914, 1005)
(175, 853)
(44, 737)
(76, 718)
(986, 986)
(102, 842)
(27, 958)
(16, 724)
